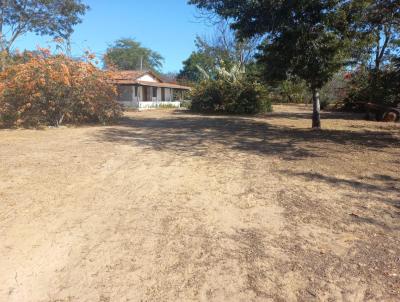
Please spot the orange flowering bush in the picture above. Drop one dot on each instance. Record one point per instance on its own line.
(50, 89)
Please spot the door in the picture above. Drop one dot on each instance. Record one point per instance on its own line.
(154, 90)
(145, 93)
(163, 94)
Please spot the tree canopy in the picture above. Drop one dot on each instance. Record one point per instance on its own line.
(220, 49)
(128, 54)
(55, 18)
(378, 23)
(190, 71)
(308, 39)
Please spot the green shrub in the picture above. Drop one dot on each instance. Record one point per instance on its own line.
(233, 97)
(292, 91)
(186, 104)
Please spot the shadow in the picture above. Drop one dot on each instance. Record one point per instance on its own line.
(308, 115)
(195, 135)
(378, 188)
(372, 221)
(387, 186)
(385, 178)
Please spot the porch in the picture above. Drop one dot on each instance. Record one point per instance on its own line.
(149, 96)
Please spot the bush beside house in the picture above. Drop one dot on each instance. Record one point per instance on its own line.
(222, 96)
(229, 91)
(50, 90)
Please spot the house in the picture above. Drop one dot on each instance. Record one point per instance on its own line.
(145, 90)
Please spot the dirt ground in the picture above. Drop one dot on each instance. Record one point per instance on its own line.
(172, 206)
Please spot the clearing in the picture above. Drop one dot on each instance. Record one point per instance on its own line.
(172, 206)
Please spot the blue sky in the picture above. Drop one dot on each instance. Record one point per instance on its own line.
(166, 26)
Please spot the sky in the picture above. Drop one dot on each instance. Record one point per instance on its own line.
(166, 26)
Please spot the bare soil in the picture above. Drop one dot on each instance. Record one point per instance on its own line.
(172, 206)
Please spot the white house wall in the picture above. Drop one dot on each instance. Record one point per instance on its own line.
(129, 99)
(148, 78)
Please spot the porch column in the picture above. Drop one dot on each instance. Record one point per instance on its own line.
(159, 94)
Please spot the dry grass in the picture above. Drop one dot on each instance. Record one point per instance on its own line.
(181, 207)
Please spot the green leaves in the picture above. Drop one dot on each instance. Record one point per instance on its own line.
(242, 96)
(308, 39)
(191, 72)
(220, 50)
(44, 17)
(305, 39)
(128, 54)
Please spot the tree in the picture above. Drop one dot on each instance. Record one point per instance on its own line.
(190, 71)
(45, 89)
(226, 48)
(55, 18)
(170, 77)
(308, 39)
(220, 49)
(377, 25)
(380, 22)
(127, 54)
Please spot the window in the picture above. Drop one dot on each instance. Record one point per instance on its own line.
(154, 92)
(136, 91)
(124, 93)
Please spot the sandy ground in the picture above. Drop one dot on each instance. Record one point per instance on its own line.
(170, 206)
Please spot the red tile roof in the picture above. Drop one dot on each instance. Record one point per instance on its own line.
(165, 85)
(128, 74)
(130, 77)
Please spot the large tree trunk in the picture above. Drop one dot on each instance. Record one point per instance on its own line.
(316, 118)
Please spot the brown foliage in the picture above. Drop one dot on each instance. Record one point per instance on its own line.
(53, 89)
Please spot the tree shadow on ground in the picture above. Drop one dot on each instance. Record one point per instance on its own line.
(386, 183)
(194, 135)
(378, 188)
(308, 115)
